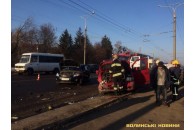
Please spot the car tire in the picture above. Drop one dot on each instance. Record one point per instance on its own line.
(101, 93)
(80, 82)
(30, 71)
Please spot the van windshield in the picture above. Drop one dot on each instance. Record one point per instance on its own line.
(24, 59)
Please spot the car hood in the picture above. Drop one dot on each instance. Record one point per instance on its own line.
(70, 71)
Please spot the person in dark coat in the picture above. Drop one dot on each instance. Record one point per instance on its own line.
(154, 67)
(175, 73)
(160, 81)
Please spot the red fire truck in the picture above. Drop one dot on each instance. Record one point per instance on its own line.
(140, 65)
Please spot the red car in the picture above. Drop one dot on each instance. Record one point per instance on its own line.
(105, 78)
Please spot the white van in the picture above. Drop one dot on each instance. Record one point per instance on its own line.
(39, 62)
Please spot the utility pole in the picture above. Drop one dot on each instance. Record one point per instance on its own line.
(174, 7)
(85, 33)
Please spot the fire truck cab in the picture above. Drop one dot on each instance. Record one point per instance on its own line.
(141, 72)
(140, 67)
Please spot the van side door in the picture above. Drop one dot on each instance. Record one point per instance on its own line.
(34, 64)
(43, 63)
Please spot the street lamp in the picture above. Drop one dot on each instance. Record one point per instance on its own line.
(174, 26)
(85, 33)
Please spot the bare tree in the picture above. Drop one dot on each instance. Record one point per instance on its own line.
(46, 38)
(23, 39)
(119, 48)
(23, 33)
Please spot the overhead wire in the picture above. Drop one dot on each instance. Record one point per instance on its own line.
(106, 19)
(111, 19)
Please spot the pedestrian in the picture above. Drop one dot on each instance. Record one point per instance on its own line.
(154, 67)
(175, 73)
(117, 72)
(160, 81)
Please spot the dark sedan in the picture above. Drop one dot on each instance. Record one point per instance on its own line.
(73, 74)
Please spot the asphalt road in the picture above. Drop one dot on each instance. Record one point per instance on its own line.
(30, 96)
(138, 111)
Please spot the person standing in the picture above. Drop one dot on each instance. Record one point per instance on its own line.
(160, 81)
(175, 73)
(117, 72)
(154, 67)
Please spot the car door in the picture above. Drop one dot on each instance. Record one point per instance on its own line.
(141, 74)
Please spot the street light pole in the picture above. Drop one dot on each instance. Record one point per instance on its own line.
(85, 34)
(85, 30)
(174, 7)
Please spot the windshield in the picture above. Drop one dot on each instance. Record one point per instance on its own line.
(106, 67)
(71, 68)
(24, 59)
(123, 58)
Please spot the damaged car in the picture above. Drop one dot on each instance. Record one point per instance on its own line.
(105, 78)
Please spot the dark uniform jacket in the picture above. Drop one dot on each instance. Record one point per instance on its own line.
(116, 68)
(175, 73)
(153, 77)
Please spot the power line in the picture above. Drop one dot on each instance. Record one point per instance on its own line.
(121, 27)
(111, 19)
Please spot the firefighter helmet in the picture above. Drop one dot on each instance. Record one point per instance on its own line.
(175, 62)
(114, 56)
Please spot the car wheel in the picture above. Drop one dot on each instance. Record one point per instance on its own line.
(30, 71)
(101, 93)
(80, 82)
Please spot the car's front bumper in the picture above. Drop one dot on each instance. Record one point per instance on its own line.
(67, 79)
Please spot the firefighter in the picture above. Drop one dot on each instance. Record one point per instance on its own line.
(117, 72)
(175, 73)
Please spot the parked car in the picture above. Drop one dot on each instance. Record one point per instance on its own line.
(93, 67)
(73, 74)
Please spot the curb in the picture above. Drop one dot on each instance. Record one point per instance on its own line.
(65, 114)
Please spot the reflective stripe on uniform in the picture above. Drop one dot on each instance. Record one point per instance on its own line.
(117, 74)
(174, 78)
(116, 64)
(177, 83)
(115, 88)
(121, 87)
